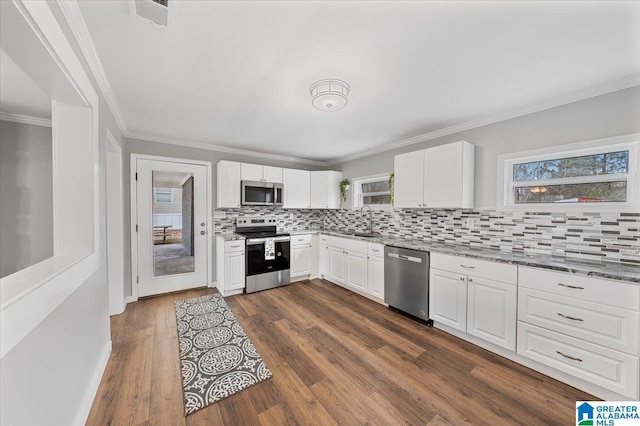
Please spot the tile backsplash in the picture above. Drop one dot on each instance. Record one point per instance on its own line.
(613, 237)
(288, 220)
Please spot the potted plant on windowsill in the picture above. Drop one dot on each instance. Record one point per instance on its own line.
(344, 187)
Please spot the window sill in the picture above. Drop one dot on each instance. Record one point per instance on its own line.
(30, 295)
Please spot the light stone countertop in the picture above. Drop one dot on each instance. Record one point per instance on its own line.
(607, 270)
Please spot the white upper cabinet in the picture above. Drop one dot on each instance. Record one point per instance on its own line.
(297, 184)
(228, 184)
(408, 179)
(437, 177)
(325, 189)
(256, 172)
(272, 174)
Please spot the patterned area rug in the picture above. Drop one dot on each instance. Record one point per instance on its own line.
(218, 359)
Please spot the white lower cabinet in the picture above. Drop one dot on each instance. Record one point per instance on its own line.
(448, 298)
(230, 266)
(491, 311)
(303, 256)
(324, 261)
(353, 264)
(337, 266)
(357, 270)
(375, 276)
(476, 297)
(585, 327)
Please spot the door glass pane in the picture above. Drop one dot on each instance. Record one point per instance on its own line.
(173, 227)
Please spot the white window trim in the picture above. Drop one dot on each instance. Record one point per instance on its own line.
(505, 183)
(357, 194)
(31, 294)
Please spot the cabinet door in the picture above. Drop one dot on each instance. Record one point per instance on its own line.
(324, 261)
(448, 299)
(234, 270)
(228, 184)
(296, 188)
(337, 266)
(319, 187)
(409, 179)
(491, 313)
(251, 172)
(442, 176)
(375, 276)
(357, 270)
(272, 174)
(300, 260)
(449, 175)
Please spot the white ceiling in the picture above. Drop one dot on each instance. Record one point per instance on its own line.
(19, 94)
(237, 74)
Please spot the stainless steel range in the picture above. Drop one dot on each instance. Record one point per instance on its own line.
(267, 253)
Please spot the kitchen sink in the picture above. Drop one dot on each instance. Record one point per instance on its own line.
(365, 234)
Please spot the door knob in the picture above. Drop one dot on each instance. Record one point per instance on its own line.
(203, 232)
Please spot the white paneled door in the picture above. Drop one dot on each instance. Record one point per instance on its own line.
(170, 257)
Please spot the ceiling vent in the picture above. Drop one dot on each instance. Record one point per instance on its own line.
(154, 10)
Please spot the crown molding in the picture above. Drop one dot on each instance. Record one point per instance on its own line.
(25, 119)
(225, 149)
(73, 16)
(567, 98)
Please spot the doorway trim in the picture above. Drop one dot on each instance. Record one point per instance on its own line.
(134, 215)
(115, 234)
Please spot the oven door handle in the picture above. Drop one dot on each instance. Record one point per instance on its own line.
(257, 241)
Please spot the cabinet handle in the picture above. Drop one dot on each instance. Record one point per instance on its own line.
(570, 318)
(234, 246)
(470, 280)
(468, 267)
(461, 278)
(570, 357)
(375, 250)
(575, 287)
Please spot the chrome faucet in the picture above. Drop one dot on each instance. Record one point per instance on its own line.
(370, 216)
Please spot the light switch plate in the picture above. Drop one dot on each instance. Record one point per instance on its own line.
(219, 214)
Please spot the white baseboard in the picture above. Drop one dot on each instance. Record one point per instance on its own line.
(94, 384)
(213, 284)
(129, 299)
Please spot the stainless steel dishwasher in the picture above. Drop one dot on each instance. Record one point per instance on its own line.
(406, 280)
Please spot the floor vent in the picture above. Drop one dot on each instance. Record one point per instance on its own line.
(154, 10)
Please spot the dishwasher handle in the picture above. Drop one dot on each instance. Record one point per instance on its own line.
(403, 257)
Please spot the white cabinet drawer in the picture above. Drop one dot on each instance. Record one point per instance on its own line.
(612, 370)
(300, 240)
(233, 246)
(478, 268)
(604, 325)
(598, 290)
(374, 249)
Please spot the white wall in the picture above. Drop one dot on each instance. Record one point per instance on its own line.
(616, 113)
(47, 377)
(26, 196)
(51, 375)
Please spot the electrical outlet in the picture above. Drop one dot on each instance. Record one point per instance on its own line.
(219, 214)
(468, 223)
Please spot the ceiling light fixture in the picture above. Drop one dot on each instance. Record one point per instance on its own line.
(329, 95)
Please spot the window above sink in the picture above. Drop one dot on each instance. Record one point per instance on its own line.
(373, 191)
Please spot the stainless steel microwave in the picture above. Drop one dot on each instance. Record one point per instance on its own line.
(254, 193)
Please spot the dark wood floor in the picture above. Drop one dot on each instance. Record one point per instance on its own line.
(336, 358)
